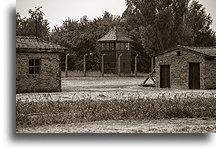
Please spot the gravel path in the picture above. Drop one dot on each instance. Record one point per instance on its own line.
(111, 88)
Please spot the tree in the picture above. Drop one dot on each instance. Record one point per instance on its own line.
(164, 24)
(155, 26)
(133, 19)
(36, 25)
(200, 23)
(80, 36)
(160, 24)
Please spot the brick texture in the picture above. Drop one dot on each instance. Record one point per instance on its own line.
(49, 79)
(210, 74)
(179, 68)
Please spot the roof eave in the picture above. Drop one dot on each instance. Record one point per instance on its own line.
(115, 41)
(27, 50)
(204, 54)
(183, 48)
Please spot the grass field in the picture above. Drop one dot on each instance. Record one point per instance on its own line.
(91, 104)
(184, 125)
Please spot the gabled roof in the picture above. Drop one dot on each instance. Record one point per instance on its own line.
(205, 51)
(208, 51)
(33, 44)
(116, 34)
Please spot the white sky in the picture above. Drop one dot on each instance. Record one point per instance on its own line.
(56, 11)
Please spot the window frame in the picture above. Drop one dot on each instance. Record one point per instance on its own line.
(112, 46)
(103, 46)
(123, 46)
(34, 66)
(127, 46)
(178, 53)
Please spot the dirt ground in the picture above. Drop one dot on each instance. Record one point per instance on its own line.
(185, 125)
(74, 88)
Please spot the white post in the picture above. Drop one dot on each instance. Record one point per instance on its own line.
(66, 65)
(119, 64)
(102, 66)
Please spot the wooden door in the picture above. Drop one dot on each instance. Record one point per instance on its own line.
(165, 76)
(194, 75)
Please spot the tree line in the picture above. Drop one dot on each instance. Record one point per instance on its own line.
(154, 26)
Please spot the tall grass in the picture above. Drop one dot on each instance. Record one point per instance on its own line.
(47, 112)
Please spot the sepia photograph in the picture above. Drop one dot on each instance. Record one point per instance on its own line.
(115, 66)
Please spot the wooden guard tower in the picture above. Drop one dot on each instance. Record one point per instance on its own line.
(116, 53)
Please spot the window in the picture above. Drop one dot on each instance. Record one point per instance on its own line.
(34, 66)
(103, 46)
(112, 46)
(178, 53)
(118, 46)
(107, 46)
(127, 46)
(123, 46)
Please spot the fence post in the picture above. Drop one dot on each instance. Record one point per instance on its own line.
(135, 71)
(119, 64)
(84, 63)
(66, 65)
(102, 66)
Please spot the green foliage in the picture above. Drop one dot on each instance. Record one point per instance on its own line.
(81, 38)
(149, 40)
(48, 111)
(160, 25)
(154, 26)
(144, 61)
(200, 23)
(164, 24)
(36, 25)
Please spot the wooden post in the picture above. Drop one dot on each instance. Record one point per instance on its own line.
(149, 76)
(119, 64)
(102, 66)
(84, 65)
(66, 65)
(135, 71)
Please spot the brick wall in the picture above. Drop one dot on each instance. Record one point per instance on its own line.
(210, 71)
(49, 79)
(179, 68)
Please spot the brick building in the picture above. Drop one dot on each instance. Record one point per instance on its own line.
(37, 65)
(186, 68)
(115, 46)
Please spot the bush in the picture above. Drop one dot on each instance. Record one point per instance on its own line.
(47, 112)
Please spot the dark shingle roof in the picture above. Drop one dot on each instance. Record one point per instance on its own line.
(33, 44)
(209, 51)
(205, 51)
(116, 34)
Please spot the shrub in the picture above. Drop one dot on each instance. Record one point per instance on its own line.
(46, 112)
